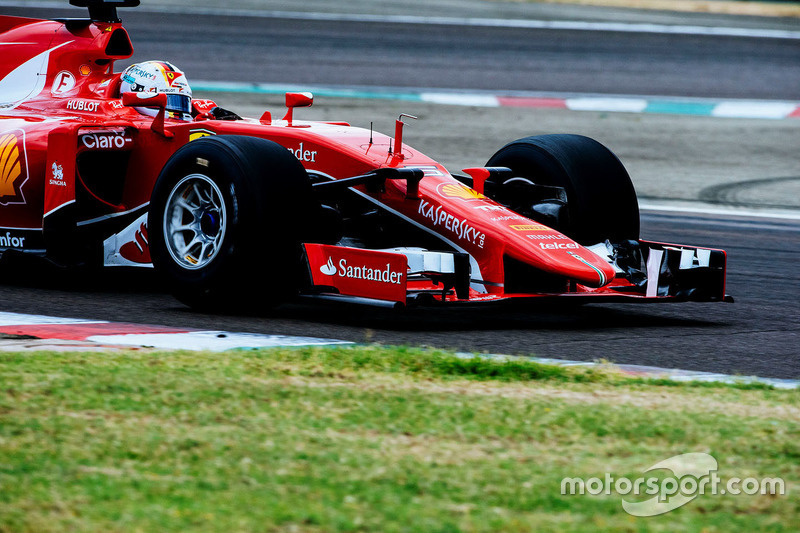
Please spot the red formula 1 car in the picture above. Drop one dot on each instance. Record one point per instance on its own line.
(127, 170)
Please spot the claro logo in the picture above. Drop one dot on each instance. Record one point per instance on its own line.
(381, 275)
(106, 141)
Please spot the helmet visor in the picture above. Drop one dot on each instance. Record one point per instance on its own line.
(179, 102)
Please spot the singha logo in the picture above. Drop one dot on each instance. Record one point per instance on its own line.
(58, 172)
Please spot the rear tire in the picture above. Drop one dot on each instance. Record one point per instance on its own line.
(225, 221)
(601, 200)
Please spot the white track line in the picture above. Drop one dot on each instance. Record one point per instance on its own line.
(17, 319)
(214, 341)
(719, 211)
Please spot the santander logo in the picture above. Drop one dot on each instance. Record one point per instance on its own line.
(362, 272)
(328, 269)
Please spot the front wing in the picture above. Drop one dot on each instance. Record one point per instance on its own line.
(645, 271)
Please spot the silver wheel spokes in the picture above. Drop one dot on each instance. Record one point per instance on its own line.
(194, 221)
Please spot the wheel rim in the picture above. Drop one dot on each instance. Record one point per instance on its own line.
(195, 221)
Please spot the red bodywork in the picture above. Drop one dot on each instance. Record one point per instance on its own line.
(65, 134)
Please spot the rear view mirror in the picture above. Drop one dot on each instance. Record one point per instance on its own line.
(144, 100)
(150, 100)
(297, 100)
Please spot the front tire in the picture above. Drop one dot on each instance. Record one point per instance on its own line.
(225, 221)
(601, 200)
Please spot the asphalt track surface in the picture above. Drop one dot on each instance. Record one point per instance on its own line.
(350, 53)
(757, 335)
(499, 59)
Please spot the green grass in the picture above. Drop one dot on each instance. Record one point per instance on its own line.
(367, 439)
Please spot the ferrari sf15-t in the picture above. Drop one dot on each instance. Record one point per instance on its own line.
(98, 169)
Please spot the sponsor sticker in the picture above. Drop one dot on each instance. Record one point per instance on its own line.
(106, 140)
(529, 227)
(559, 245)
(198, 133)
(170, 77)
(63, 83)
(357, 272)
(301, 154)
(548, 237)
(427, 170)
(83, 105)
(506, 218)
(203, 105)
(361, 272)
(458, 227)
(11, 241)
(458, 190)
(57, 176)
(136, 70)
(13, 167)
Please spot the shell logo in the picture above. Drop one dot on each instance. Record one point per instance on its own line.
(457, 190)
(12, 166)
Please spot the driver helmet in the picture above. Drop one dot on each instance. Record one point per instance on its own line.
(155, 77)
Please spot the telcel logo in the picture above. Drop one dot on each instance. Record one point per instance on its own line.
(559, 246)
(361, 272)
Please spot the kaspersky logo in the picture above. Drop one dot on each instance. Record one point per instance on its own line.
(13, 167)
